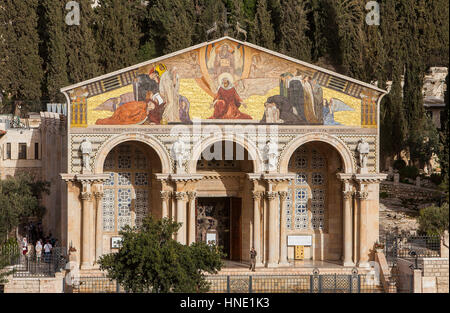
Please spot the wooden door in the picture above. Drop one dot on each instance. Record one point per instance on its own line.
(236, 229)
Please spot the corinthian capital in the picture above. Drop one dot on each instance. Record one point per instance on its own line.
(283, 195)
(347, 195)
(165, 195)
(363, 195)
(257, 195)
(86, 196)
(271, 195)
(180, 195)
(191, 195)
(98, 195)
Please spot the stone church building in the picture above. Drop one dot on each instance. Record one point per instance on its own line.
(244, 146)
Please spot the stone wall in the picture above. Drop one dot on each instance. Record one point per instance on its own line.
(35, 284)
(406, 191)
(435, 275)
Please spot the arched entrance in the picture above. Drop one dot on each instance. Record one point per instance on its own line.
(314, 202)
(131, 191)
(223, 205)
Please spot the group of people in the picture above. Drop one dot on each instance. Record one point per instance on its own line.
(36, 250)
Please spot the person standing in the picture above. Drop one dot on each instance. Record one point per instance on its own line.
(47, 251)
(24, 245)
(252, 259)
(38, 250)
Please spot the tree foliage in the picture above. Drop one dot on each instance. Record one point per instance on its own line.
(19, 198)
(21, 71)
(151, 261)
(434, 220)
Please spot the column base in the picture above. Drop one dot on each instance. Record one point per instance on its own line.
(348, 264)
(259, 264)
(272, 265)
(364, 264)
(86, 266)
(284, 264)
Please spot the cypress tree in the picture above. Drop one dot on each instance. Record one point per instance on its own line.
(21, 71)
(293, 27)
(53, 52)
(263, 33)
(208, 12)
(350, 20)
(444, 137)
(117, 34)
(176, 19)
(81, 47)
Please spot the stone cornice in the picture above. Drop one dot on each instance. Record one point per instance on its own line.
(278, 178)
(186, 177)
(369, 178)
(92, 178)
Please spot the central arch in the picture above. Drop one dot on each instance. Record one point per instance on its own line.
(249, 146)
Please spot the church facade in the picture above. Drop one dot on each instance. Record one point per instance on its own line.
(242, 145)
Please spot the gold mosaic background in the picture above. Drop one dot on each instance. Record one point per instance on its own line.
(263, 71)
(95, 101)
(347, 118)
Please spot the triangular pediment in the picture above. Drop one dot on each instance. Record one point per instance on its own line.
(225, 79)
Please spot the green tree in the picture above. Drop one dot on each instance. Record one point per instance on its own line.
(19, 198)
(21, 71)
(351, 40)
(444, 138)
(293, 28)
(53, 50)
(117, 33)
(208, 12)
(433, 221)
(9, 250)
(263, 33)
(81, 47)
(423, 141)
(151, 261)
(174, 22)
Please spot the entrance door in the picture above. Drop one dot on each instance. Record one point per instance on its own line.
(213, 214)
(236, 229)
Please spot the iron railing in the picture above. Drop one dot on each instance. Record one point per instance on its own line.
(410, 247)
(315, 283)
(31, 265)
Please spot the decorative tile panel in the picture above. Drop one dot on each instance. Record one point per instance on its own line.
(108, 204)
(124, 207)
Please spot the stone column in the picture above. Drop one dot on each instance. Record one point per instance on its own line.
(86, 198)
(348, 222)
(181, 216)
(165, 197)
(98, 225)
(273, 255)
(257, 195)
(192, 222)
(363, 251)
(283, 245)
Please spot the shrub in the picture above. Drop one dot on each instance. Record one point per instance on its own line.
(409, 172)
(436, 179)
(434, 220)
(399, 164)
(384, 195)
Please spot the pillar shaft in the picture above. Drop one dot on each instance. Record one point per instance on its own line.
(347, 222)
(181, 216)
(273, 255)
(283, 246)
(99, 226)
(257, 226)
(363, 251)
(192, 222)
(86, 231)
